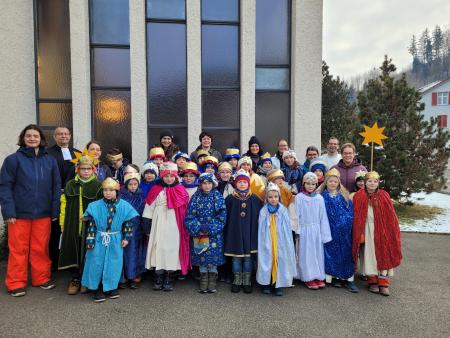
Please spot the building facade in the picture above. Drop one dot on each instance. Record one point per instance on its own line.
(120, 71)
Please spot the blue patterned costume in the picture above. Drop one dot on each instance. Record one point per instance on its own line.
(338, 252)
(206, 215)
(293, 176)
(135, 252)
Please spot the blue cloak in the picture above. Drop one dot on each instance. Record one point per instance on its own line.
(338, 252)
(105, 261)
(287, 267)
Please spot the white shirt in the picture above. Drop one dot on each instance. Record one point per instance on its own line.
(330, 160)
(66, 154)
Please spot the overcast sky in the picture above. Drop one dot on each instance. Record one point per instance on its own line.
(358, 33)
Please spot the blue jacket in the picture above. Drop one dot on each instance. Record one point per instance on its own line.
(30, 185)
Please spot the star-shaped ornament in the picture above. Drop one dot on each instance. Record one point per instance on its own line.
(373, 134)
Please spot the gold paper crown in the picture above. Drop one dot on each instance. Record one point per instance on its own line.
(110, 183)
(232, 151)
(225, 166)
(333, 172)
(210, 159)
(117, 157)
(157, 152)
(86, 157)
(190, 166)
(372, 175)
(272, 187)
(266, 156)
(202, 152)
(360, 174)
(274, 173)
(130, 176)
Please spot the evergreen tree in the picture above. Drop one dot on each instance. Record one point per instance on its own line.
(416, 152)
(338, 113)
(438, 40)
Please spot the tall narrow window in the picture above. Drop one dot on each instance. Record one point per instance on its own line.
(272, 97)
(110, 74)
(166, 70)
(53, 78)
(220, 71)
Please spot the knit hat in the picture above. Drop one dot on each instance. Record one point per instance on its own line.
(225, 166)
(310, 178)
(168, 168)
(318, 165)
(190, 168)
(164, 133)
(179, 154)
(232, 153)
(289, 153)
(244, 159)
(264, 158)
(359, 175)
(241, 175)
(253, 140)
(208, 177)
(157, 152)
(110, 183)
(274, 174)
(150, 166)
(131, 176)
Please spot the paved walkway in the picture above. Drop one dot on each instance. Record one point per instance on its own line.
(418, 307)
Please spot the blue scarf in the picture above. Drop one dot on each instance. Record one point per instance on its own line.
(273, 209)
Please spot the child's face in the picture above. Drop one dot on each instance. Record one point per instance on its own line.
(181, 162)
(109, 193)
(289, 160)
(246, 166)
(210, 170)
(372, 184)
(117, 163)
(360, 184)
(158, 161)
(169, 179)
(149, 177)
(267, 165)
(332, 183)
(85, 171)
(133, 185)
(279, 181)
(225, 175)
(189, 178)
(206, 186)
(233, 162)
(310, 187)
(273, 198)
(200, 160)
(242, 185)
(318, 173)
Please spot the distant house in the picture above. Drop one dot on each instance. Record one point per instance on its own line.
(436, 97)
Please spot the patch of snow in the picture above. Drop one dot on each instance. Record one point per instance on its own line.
(428, 86)
(439, 224)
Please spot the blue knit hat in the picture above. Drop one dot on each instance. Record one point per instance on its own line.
(318, 165)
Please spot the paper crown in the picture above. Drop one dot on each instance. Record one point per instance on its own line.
(333, 172)
(244, 159)
(232, 153)
(85, 158)
(225, 166)
(372, 175)
(210, 159)
(360, 175)
(208, 177)
(150, 166)
(310, 177)
(131, 176)
(202, 152)
(273, 174)
(110, 183)
(289, 153)
(190, 168)
(168, 168)
(116, 157)
(157, 152)
(265, 157)
(272, 187)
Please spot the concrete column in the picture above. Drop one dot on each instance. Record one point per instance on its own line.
(17, 72)
(138, 64)
(247, 59)
(81, 72)
(194, 71)
(306, 74)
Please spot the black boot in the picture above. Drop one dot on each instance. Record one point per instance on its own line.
(168, 285)
(237, 282)
(246, 282)
(158, 282)
(212, 282)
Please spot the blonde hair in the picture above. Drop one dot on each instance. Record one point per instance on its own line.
(340, 188)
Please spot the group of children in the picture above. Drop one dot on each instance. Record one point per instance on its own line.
(224, 221)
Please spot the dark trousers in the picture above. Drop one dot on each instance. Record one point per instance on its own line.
(53, 244)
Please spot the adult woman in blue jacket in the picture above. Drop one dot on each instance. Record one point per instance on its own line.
(30, 189)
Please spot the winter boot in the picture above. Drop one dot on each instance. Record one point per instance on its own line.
(203, 282)
(247, 282)
(212, 281)
(158, 282)
(168, 285)
(237, 282)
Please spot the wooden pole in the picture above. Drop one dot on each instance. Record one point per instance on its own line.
(371, 159)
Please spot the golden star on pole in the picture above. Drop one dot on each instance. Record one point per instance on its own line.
(373, 134)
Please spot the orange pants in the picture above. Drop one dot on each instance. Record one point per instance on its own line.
(28, 240)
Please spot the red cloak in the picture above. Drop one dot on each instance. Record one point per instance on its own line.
(388, 246)
(177, 199)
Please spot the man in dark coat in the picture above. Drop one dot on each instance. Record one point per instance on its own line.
(63, 154)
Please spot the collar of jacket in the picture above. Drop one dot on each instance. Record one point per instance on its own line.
(29, 152)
